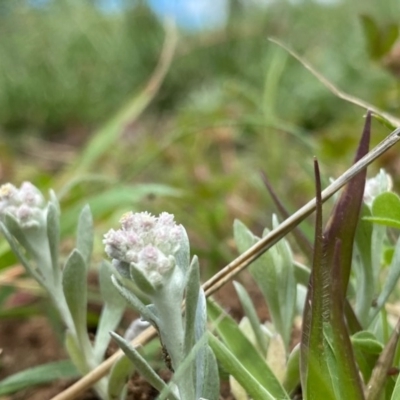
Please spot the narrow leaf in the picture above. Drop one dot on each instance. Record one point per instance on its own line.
(251, 313)
(38, 375)
(135, 302)
(191, 299)
(346, 371)
(84, 240)
(315, 374)
(75, 290)
(244, 351)
(53, 235)
(342, 223)
(118, 377)
(391, 281)
(111, 314)
(140, 363)
(235, 367)
(301, 240)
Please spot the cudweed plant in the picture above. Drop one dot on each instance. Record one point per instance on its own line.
(153, 254)
(31, 227)
(149, 254)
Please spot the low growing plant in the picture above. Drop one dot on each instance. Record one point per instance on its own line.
(348, 347)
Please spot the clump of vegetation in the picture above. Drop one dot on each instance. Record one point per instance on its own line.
(216, 108)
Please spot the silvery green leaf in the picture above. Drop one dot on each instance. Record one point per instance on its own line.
(183, 254)
(113, 309)
(363, 266)
(16, 231)
(118, 377)
(54, 201)
(17, 251)
(274, 274)
(53, 236)
(234, 367)
(292, 376)
(192, 296)
(211, 385)
(74, 352)
(142, 281)
(276, 356)
(75, 290)
(140, 363)
(302, 273)
(391, 281)
(200, 326)
(135, 302)
(182, 376)
(251, 314)
(84, 240)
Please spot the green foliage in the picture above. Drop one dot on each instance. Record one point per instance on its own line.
(37, 376)
(379, 39)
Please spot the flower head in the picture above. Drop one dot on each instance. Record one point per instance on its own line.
(146, 243)
(26, 204)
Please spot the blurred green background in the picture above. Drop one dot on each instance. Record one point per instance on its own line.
(107, 108)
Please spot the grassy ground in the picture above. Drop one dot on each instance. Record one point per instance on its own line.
(231, 104)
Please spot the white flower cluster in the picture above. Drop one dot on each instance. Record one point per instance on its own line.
(25, 204)
(145, 242)
(380, 183)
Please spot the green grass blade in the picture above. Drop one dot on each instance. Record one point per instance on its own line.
(37, 376)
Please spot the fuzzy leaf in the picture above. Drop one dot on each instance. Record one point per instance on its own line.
(135, 302)
(75, 290)
(113, 309)
(53, 235)
(292, 376)
(301, 240)
(19, 254)
(119, 375)
(391, 281)
(244, 351)
(251, 313)
(210, 378)
(84, 240)
(274, 274)
(192, 297)
(140, 363)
